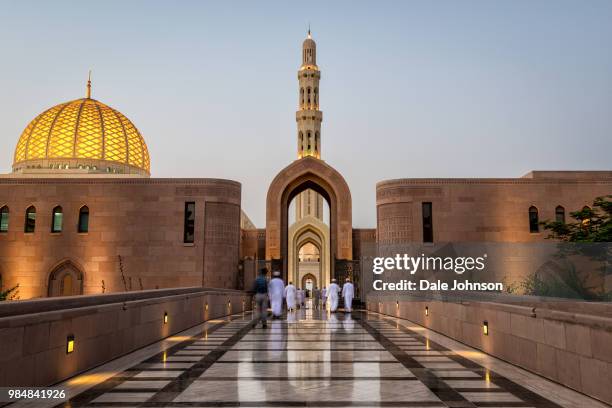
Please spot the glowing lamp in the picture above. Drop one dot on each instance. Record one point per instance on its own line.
(69, 344)
(165, 317)
(485, 328)
(426, 310)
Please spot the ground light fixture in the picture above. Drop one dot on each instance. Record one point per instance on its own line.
(70, 344)
(485, 328)
(165, 317)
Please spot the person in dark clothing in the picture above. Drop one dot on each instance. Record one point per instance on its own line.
(261, 298)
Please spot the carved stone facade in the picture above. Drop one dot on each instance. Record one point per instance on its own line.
(303, 174)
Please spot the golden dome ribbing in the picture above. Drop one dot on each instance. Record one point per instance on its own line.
(82, 134)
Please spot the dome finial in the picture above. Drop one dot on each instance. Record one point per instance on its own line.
(309, 35)
(89, 85)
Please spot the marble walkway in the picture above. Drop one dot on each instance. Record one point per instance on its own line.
(316, 359)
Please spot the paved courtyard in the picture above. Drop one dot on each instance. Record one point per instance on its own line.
(316, 359)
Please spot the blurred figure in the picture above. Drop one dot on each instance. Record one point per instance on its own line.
(276, 291)
(316, 296)
(332, 295)
(300, 298)
(290, 293)
(348, 293)
(261, 298)
(324, 297)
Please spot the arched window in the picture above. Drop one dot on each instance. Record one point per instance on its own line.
(4, 219)
(534, 221)
(560, 214)
(66, 280)
(30, 219)
(308, 91)
(316, 96)
(83, 219)
(301, 96)
(57, 219)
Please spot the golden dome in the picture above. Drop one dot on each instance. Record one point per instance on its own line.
(83, 135)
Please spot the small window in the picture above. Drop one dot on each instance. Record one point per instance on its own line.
(427, 211)
(560, 214)
(189, 223)
(4, 219)
(83, 226)
(534, 220)
(57, 219)
(30, 220)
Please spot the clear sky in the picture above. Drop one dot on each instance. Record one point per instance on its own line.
(409, 89)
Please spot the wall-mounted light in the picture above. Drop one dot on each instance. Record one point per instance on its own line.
(206, 307)
(426, 310)
(485, 328)
(165, 317)
(397, 304)
(69, 344)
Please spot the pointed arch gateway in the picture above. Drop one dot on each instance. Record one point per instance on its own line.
(303, 174)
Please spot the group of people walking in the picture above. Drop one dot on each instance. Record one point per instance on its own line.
(276, 291)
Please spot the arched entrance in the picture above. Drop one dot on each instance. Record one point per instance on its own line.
(66, 279)
(309, 232)
(309, 282)
(301, 175)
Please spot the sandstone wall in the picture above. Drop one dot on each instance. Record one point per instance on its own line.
(572, 346)
(34, 344)
(141, 220)
(484, 210)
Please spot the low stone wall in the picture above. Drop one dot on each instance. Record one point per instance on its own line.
(34, 345)
(570, 348)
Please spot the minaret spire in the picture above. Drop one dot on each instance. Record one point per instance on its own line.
(88, 95)
(308, 118)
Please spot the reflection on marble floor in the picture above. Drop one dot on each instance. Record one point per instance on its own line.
(317, 359)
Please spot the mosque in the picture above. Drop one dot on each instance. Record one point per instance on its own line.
(80, 214)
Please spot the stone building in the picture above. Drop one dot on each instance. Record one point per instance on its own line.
(80, 214)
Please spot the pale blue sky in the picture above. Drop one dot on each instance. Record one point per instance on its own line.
(409, 89)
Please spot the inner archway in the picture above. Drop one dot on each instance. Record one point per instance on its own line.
(301, 175)
(309, 282)
(313, 234)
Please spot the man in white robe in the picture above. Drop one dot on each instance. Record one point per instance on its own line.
(276, 291)
(348, 293)
(324, 298)
(290, 294)
(332, 295)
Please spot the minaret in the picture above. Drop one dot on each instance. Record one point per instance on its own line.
(309, 118)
